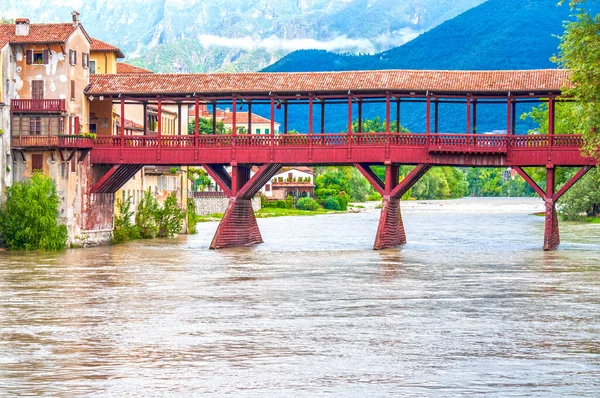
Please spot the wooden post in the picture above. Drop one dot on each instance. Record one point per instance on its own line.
(159, 121)
(145, 104)
(214, 117)
(428, 115)
(551, 231)
(349, 135)
(272, 142)
(387, 113)
(310, 125)
(398, 115)
(514, 116)
(323, 116)
(122, 126)
(551, 121)
(250, 115)
(469, 119)
(436, 115)
(475, 116)
(285, 117)
(179, 117)
(360, 116)
(234, 120)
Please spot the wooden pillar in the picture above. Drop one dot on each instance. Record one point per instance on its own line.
(514, 116)
(179, 118)
(214, 117)
(390, 231)
(468, 114)
(475, 116)
(285, 117)
(197, 118)
(509, 118)
(234, 117)
(436, 116)
(145, 111)
(272, 141)
(310, 116)
(360, 117)
(323, 116)
(388, 122)
(551, 121)
(159, 120)
(551, 231)
(122, 123)
(250, 115)
(398, 115)
(428, 115)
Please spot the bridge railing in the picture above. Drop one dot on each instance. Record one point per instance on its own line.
(437, 141)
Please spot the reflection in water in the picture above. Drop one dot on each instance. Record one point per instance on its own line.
(470, 305)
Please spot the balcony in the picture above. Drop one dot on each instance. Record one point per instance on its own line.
(37, 106)
(51, 142)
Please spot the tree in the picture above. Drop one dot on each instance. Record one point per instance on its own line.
(169, 217)
(579, 51)
(29, 218)
(205, 126)
(145, 219)
(124, 230)
(377, 125)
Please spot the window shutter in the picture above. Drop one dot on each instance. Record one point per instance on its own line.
(74, 57)
(37, 162)
(77, 125)
(29, 57)
(45, 57)
(73, 90)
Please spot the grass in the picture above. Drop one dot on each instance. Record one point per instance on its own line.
(593, 220)
(209, 217)
(277, 212)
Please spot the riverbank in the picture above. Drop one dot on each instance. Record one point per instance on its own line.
(270, 212)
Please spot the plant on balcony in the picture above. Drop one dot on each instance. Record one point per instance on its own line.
(87, 135)
(29, 218)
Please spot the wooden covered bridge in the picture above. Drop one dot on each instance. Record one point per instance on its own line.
(126, 154)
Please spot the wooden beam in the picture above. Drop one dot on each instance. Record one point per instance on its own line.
(582, 172)
(411, 179)
(373, 178)
(221, 177)
(530, 181)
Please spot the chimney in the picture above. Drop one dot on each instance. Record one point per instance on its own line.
(21, 27)
(75, 16)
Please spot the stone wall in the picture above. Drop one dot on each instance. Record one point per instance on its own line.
(206, 206)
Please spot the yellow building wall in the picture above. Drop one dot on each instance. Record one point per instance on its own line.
(101, 114)
(106, 62)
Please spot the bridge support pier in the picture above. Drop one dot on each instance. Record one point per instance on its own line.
(551, 230)
(390, 232)
(239, 228)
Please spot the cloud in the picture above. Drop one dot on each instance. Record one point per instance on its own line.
(338, 44)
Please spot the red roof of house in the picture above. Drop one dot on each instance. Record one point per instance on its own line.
(122, 67)
(129, 124)
(100, 46)
(39, 33)
(536, 81)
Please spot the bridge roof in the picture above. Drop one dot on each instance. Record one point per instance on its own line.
(396, 81)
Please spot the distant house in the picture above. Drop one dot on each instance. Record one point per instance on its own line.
(297, 182)
(258, 124)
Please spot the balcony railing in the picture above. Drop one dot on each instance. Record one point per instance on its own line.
(52, 141)
(37, 106)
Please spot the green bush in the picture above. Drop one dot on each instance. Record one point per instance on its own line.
(29, 218)
(124, 230)
(145, 218)
(169, 217)
(342, 199)
(289, 202)
(192, 217)
(374, 196)
(307, 204)
(331, 203)
(280, 204)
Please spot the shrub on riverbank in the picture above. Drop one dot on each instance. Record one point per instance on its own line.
(331, 203)
(192, 217)
(169, 217)
(124, 230)
(145, 218)
(307, 204)
(29, 218)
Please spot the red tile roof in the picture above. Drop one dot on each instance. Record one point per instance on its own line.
(100, 46)
(39, 33)
(538, 81)
(122, 67)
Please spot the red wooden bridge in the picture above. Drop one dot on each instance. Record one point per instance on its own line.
(126, 154)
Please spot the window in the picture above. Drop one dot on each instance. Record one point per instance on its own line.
(73, 57)
(92, 67)
(36, 57)
(37, 162)
(257, 131)
(167, 183)
(73, 165)
(35, 125)
(93, 128)
(85, 60)
(72, 90)
(266, 131)
(268, 188)
(37, 89)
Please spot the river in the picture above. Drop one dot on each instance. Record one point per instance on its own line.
(471, 305)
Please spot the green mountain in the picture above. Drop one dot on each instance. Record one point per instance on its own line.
(242, 35)
(498, 34)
